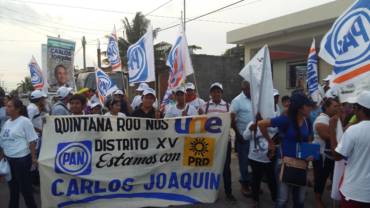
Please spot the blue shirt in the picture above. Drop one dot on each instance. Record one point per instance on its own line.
(289, 134)
(242, 107)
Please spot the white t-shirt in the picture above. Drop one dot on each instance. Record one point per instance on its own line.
(197, 103)
(258, 147)
(172, 111)
(323, 119)
(16, 136)
(34, 115)
(119, 114)
(355, 145)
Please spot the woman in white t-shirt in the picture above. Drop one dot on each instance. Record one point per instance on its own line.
(114, 107)
(181, 108)
(18, 142)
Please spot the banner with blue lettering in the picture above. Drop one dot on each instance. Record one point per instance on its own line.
(140, 57)
(312, 74)
(346, 46)
(103, 161)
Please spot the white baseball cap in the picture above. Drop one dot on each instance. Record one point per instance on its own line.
(180, 89)
(118, 92)
(275, 92)
(149, 91)
(216, 84)
(94, 104)
(142, 86)
(63, 92)
(36, 94)
(363, 99)
(189, 86)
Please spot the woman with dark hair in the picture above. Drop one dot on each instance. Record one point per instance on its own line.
(114, 107)
(294, 128)
(18, 142)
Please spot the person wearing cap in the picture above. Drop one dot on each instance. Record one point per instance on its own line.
(294, 128)
(114, 107)
(181, 108)
(355, 147)
(77, 104)
(36, 109)
(125, 104)
(146, 109)
(214, 106)
(192, 98)
(276, 95)
(241, 114)
(60, 106)
(139, 92)
(95, 108)
(324, 167)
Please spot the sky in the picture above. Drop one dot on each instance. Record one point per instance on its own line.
(25, 25)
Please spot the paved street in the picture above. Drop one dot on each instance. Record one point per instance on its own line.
(220, 203)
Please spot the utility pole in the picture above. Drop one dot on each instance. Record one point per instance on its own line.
(99, 54)
(184, 14)
(84, 51)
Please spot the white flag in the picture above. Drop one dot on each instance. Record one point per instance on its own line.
(258, 73)
(140, 57)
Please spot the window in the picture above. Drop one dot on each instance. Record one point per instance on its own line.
(296, 74)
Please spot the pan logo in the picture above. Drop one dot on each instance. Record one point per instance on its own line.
(74, 158)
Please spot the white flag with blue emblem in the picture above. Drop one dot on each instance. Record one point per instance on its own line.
(347, 47)
(179, 61)
(104, 85)
(312, 75)
(113, 51)
(140, 57)
(37, 78)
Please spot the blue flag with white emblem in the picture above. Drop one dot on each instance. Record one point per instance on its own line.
(347, 45)
(113, 51)
(312, 76)
(140, 57)
(104, 85)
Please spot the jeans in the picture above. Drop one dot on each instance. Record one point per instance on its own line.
(21, 182)
(227, 171)
(322, 171)
(243, 151)
(259, 170)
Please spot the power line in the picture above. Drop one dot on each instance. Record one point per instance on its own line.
(203, 15)
(162, 5)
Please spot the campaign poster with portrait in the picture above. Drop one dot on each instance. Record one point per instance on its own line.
(60, 63)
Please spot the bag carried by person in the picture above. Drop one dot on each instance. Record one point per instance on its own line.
(5, 169)
(293, 171)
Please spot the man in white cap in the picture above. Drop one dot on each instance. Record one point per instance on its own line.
(60, 107)
(95, 108)
(146, 109)
(214, 106)
(139, 92)
(36, 109)
(192, 98)
(355, 146)
(181, 108)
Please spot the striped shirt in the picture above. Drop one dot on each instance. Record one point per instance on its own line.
(213, 108)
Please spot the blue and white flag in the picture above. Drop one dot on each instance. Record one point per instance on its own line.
(140, 57)
(347, 44)
(179, 61)
(104, 84)
(312, 75)
(37, 77)
(113, 51)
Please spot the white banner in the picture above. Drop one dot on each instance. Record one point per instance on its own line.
(102, 161)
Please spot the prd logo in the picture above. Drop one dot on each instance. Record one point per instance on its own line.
(198, 152)
(74, 158)
(350, 38)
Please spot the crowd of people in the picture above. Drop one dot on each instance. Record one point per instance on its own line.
(263, 145)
